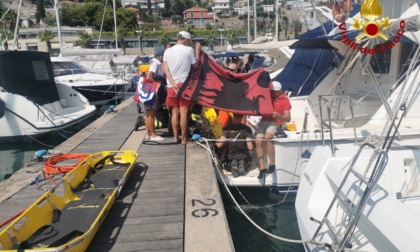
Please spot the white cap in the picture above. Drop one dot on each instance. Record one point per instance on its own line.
(276, 86)
(184, 34)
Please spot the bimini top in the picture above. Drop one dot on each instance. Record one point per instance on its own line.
(30, 74)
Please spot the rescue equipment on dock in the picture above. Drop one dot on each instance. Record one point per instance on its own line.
(60, 221)
(51, 167)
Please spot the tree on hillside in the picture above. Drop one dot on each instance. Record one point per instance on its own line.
(233, 38)
(188, 4)
(191, 31)
(81, 15)
(84, 40)
(47, 36)
(149, 7)
(1, 9)
(211, 40)
(164, 39)
(5, 35)
(127, 18)
(9, 21)
(176, 19)
(179, 7)
(167, 10)
(40, 11)
(122, 33)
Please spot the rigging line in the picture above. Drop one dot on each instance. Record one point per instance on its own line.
(246, 216)
(44, 144)
(240, 193)
(294, 173)
(42, 112)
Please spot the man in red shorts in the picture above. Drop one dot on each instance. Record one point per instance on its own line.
(177, 62)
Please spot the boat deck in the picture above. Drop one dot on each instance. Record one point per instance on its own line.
(171, 201)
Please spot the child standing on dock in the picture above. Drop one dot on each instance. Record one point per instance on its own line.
(146, 93)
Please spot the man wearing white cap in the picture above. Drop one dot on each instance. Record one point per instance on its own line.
(177, 62)
(269, 125)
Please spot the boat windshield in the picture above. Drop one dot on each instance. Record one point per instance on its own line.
(67, 68)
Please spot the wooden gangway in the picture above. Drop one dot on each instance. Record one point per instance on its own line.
(171, 202)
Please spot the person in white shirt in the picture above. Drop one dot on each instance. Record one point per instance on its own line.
(155, 73)
(177, 62)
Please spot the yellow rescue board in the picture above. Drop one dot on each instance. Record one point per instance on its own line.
(214, 121)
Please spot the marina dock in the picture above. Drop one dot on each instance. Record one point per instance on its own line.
(171, 201)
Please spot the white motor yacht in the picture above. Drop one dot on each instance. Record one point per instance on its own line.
(31, 103)
(98, 88)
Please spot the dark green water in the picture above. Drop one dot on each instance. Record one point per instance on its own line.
(14, 156)
(273, 212)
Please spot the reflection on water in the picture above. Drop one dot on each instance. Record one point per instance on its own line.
(266, 210)
(14, 156)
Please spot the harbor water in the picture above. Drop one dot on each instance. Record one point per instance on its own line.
(275, 213)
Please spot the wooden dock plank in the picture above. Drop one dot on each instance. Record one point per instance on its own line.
(151, 210)
(155, 192)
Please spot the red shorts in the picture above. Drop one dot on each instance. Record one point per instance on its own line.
(173, 101)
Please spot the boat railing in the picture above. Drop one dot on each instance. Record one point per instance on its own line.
(331, 104)
(68, 71)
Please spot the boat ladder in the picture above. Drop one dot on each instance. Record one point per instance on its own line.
(342, 232)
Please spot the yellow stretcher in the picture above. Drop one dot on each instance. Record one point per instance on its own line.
(69, 221)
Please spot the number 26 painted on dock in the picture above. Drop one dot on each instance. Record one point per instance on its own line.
(203, 212)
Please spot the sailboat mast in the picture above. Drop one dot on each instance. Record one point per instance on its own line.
(276, 36)
(255, 19)
(57, 18)
(115, 25)
(249, 26)
(15, 35)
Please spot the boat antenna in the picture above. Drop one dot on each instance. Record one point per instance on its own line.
(15, 35)
(57, 17)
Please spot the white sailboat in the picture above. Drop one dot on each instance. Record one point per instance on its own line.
(353, 101)
(364, 196)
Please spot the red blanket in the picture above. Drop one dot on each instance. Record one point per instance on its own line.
(213, 86)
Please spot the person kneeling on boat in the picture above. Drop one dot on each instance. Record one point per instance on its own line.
(268, 127)
(238, 138)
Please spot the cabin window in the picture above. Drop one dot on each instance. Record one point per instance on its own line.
(201, 14)
(381, 61)
(192, 14)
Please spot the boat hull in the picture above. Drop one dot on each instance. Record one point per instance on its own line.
(101, 94)
(389, 222)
